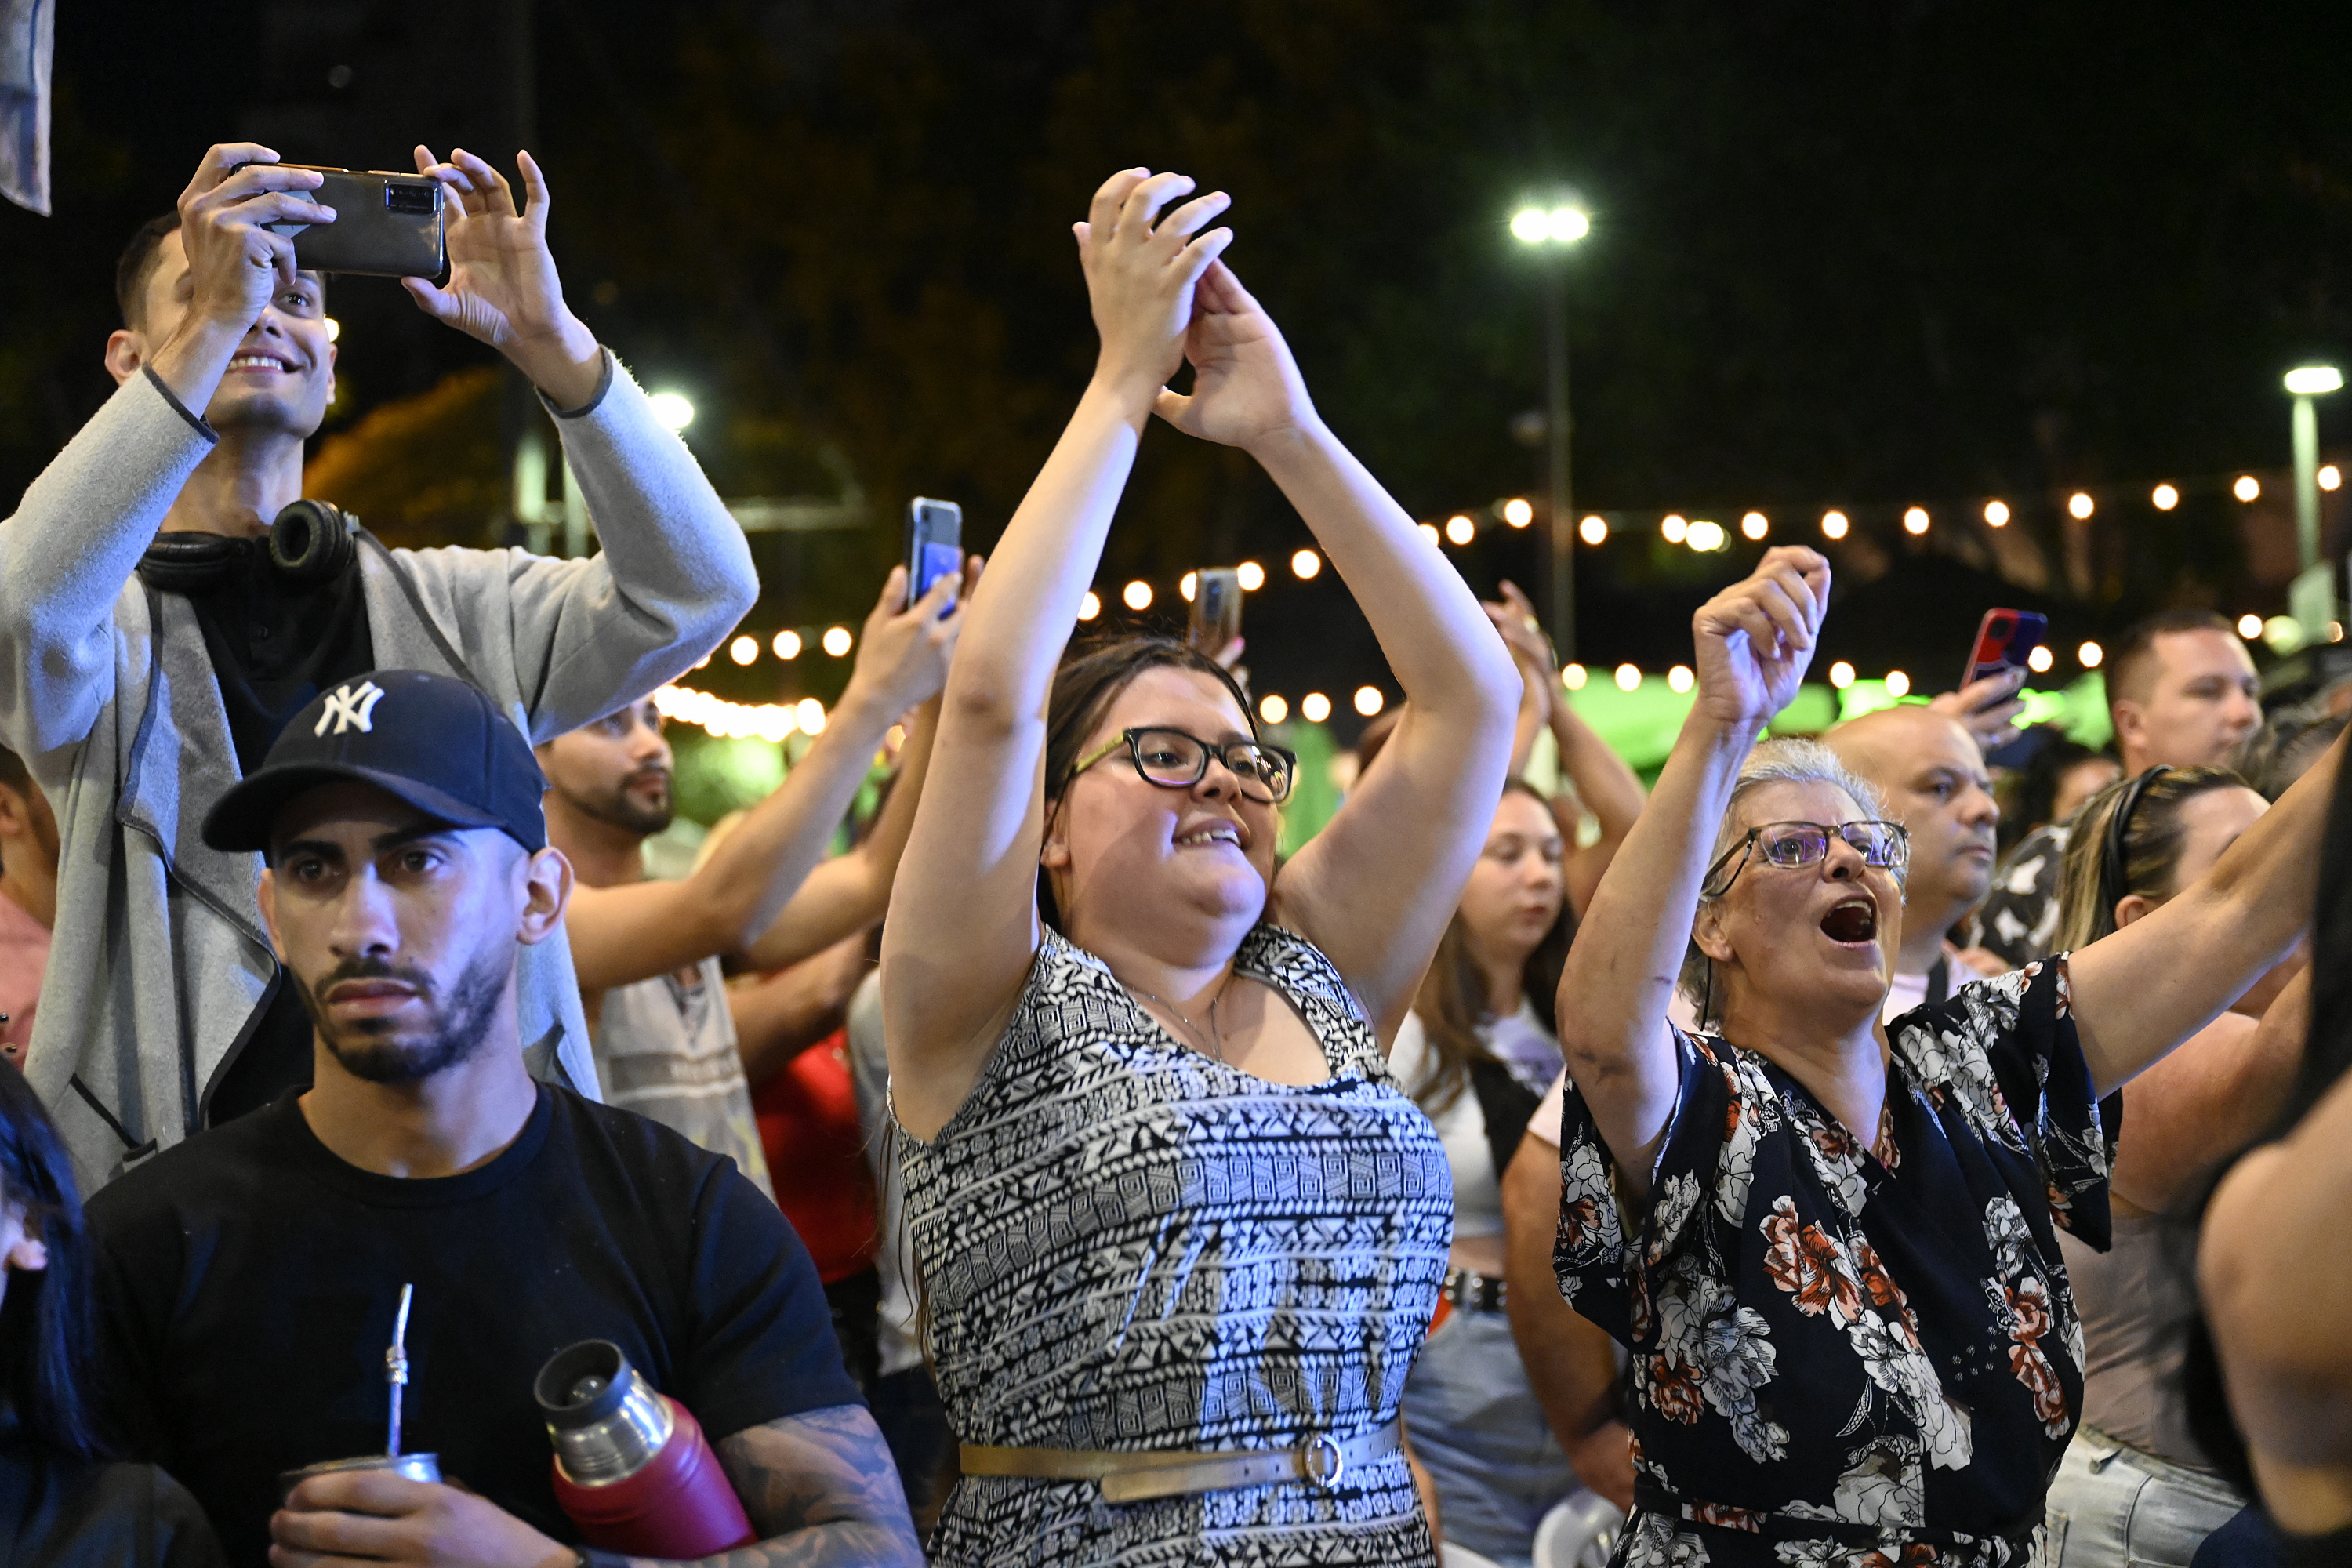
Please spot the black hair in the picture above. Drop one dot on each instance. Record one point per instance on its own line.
(2033, 794)
(137, 264)
(46, 1357)
(1090, 679)
(13, 772)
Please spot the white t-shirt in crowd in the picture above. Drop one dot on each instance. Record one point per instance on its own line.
(1525, 1046)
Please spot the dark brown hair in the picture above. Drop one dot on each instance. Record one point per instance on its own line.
(1451, 1001)
(2131, 667)
(13, 772)
(137, 264)
(1091, 676)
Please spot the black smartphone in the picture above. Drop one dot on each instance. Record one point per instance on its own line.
(386, 225)
(934, 544)
(2004, 639)
(1216, 618)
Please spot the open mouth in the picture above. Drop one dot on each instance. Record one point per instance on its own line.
(1210, 833)
(1854, 921)
(261, 361)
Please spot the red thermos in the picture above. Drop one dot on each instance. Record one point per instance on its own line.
(632, 1468)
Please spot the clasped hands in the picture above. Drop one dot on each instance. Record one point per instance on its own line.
(1162, 296)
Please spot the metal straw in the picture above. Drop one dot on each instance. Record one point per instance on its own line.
(396, 1367)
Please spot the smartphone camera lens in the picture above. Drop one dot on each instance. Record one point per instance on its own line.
(420, 198)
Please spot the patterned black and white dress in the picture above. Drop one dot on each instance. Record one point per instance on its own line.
(1128, 1245)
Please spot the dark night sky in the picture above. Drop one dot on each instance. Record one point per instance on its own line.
(1863, 253)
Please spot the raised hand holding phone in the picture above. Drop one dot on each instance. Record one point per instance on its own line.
(503, 288)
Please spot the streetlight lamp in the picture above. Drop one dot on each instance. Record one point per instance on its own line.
(1551, 231)
(2313, 596)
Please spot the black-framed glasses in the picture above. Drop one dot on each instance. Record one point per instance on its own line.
(1174, 758)
(1792, 846)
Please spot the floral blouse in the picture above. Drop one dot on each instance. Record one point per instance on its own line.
(1847, 1357)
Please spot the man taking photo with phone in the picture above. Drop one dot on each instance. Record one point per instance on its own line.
(158, 636)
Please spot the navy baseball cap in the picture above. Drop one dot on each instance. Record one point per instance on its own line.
(433, 741)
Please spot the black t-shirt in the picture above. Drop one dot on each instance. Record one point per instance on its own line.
(275, 644)
(247, 1278)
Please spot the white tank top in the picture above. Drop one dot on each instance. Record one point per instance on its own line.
(1462, 1125)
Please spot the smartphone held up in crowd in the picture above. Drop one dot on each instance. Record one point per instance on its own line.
(1215, 622)
(934, 543)
(386, 224)
(2005, 641)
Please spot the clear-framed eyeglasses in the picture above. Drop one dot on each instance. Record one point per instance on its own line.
(1174, 758)
(1793, 846)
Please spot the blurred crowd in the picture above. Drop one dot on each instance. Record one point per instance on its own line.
(1922, 1141)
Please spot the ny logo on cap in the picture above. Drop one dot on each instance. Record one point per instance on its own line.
(352, 708)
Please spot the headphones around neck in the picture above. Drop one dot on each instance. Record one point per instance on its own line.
(2113, 872)
(308, 542)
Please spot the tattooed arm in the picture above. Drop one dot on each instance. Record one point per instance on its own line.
(820, 1488)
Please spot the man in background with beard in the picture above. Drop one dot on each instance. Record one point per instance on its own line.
(661, 1016)
(248, 1279)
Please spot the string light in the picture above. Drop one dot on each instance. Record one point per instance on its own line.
(2250, 627)
(1628, 677)
(1593, 529)
(2330, 476)
(837, 642)
(1996, 514)
(1190, 586)
(2039, 661)
(1915, 521)
(1305, 564)
(743, 651)
(1898, 683)
(725, 720)
(2089, 655)
(1369, 700)
(2080, 505)
(810, 713)
(1754, 525)
(1518, 511)
(1251, 575)
(1673, 528)
(1574, 677)
(1273, 709)
(1315, 708)
(1090, 606)
(1136, 594)
(1680, 680)
(2247, 488)
(1460, 529)
(2164, 496)
(1833, 525)
(788, 645)
(1841, 675)
(1428, 532)
(1708, 537)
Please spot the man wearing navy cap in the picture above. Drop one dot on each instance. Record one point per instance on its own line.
(247, 1278)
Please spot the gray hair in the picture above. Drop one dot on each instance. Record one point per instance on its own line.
(1789, 760)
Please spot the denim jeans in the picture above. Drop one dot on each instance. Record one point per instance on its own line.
(1477, 1428)
(2115, 1507)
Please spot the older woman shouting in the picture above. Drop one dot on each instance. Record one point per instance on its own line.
(1832, 1247)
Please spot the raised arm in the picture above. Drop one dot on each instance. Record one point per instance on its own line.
(962, 927)
(850, 892)
(633, 932)
(674, 574)
(1604, 780)
(1376, 887)
(79, 532)
(2146, 988)
(1753, 641)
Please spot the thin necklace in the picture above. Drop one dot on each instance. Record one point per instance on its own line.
(1214, 1041)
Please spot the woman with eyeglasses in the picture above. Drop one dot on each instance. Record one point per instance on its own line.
(1178, 1233)
(2137, 1486)
(1830, 1246)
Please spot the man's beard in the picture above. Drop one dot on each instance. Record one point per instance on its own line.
(621, 809)
(452, 1032)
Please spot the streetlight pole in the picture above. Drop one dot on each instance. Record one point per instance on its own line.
(2313, 599)
(1554, 230)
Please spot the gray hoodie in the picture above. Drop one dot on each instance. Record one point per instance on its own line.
(159, 966)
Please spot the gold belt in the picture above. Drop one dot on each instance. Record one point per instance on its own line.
(1136, 1477)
